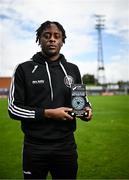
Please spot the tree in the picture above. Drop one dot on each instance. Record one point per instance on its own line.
(88, 79)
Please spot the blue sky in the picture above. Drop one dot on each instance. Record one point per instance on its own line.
(20, 18)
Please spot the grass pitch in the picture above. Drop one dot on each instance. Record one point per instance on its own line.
(103, 143)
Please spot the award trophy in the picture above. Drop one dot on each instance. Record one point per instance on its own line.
(78, 100)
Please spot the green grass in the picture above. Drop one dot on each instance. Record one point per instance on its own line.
(103, 143)
(10, 145)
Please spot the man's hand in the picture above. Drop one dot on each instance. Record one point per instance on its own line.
(89, 115)
(58, 113)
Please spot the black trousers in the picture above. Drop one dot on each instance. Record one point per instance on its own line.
(37, 163)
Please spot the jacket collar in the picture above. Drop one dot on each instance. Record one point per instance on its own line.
(39, 58)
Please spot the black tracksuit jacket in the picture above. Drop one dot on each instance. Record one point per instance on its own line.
(41, 84)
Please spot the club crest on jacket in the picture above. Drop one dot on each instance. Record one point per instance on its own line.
(68, 80)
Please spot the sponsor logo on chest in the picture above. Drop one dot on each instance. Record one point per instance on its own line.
(39, 81)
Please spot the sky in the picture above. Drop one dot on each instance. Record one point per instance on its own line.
(19, 20)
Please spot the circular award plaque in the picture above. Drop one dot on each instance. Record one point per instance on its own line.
(78, 103)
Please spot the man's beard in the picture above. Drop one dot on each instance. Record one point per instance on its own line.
(50, 53)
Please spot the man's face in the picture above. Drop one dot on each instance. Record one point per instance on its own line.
(51, 40)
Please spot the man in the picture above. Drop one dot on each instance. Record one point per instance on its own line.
(40, 98)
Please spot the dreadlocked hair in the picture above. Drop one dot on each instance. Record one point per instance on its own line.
(46, 24)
